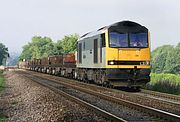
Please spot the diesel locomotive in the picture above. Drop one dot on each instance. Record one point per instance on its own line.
(118, 54)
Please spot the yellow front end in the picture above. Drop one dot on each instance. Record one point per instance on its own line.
(127, 54)
(127, 66)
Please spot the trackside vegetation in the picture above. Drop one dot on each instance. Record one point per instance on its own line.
(166, 59)
(168, 83)
(2, 117)
(41, 47)
(2, 81)
(2, 86)
(3, 54)
(165, 76)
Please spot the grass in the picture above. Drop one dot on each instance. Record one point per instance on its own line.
(2, 86)
(2, 81)
(168, 83)
(2, 117)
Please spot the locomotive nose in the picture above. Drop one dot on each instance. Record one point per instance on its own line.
(129, 54)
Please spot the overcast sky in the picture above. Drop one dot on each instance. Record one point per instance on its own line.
(20, 20)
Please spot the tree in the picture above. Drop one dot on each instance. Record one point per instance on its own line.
(67, 44)
(26, 53)
(43, 47)
(3, 54)
(166, 59)
(159, 57)
(38, 48)
(173, 61)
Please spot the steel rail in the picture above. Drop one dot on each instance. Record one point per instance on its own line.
(159, 94)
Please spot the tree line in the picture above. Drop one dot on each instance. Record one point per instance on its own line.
(40, 47)
(3, 54)
(166, 59)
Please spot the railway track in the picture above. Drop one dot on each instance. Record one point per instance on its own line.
(172, 100)
(89, 106)
(156, 114)
(166, 96)
(143, 99)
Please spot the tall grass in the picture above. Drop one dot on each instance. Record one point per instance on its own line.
(2, 81)
(168, 83)
(2, 116)
(2, 86)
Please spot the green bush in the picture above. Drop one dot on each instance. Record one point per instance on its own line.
(2, 117)
(2, 81)
(2, 86)
(168, 83)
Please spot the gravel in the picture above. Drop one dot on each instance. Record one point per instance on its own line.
(24, 100)
(119, 110)
(143, 100)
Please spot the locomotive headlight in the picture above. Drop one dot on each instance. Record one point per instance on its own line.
(111, 62)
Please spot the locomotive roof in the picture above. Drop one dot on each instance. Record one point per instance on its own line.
(122, 26)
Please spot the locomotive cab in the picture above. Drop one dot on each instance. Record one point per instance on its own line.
(128, 54)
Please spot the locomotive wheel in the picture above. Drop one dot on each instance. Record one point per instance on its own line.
(84, 77)
(106, 84)
(136, 88)
(95, 77)
(103, 79)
